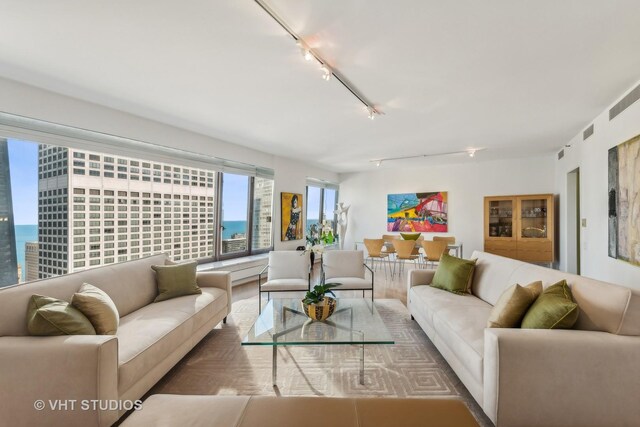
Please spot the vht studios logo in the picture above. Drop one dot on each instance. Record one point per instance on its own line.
(87, 405)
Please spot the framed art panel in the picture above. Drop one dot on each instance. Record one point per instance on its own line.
(291, 209)
(624, 201)
(422, 212)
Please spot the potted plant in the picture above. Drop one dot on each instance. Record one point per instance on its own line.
(317, 305)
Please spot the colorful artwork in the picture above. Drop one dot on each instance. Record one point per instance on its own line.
(624, 201)
(423, 212)
(291, 208)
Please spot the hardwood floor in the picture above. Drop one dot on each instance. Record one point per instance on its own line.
(385, 286)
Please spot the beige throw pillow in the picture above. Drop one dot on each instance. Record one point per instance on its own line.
(99, 308)
(513, 305)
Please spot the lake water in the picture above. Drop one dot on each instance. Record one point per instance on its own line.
(232, 227)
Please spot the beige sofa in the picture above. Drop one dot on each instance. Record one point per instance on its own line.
(168, 410)
(587, 376)
(78, 370)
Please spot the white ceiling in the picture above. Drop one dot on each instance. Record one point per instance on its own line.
(517, 77)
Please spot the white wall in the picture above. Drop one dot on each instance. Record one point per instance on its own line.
(29, 101)
(466, 183)
(591, 157)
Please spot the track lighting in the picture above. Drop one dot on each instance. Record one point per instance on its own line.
(327, 72)
(471, 152)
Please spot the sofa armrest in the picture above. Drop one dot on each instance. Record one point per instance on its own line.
(70, 369)
(560, 377)
(420, 277)
(216, 279)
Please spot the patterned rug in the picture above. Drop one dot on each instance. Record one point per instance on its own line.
(412, 367)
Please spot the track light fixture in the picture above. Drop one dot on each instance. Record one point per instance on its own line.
(327, 72)
(471, 152)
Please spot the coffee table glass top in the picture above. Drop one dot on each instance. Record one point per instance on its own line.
(283, 322)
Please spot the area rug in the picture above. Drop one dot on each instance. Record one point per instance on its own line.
(412, 367)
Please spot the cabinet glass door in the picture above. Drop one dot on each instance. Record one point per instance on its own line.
(501, 218)
(533, 214)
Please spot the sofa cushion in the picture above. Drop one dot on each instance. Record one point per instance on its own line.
(148, 335)
(453, 274)
(176, 280)
(48, 316)
(430, 300)
(285, 284)
(461, 328)
(99, 308)
(288, 265)
(603, 306)
(343, 264)
(492, 276)
(513, 305)
(554, 309)
(130, 285)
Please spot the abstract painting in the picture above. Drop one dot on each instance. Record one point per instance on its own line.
(624, 201)
(291, 208)
(422, 212)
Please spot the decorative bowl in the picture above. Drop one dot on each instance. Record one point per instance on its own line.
(410, 236)
(322, 310)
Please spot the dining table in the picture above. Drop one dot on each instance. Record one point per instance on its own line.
(457, 246)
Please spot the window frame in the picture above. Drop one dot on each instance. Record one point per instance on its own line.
(321, 216)
(217, 254)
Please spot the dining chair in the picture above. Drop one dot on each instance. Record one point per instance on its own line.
(388, 244)
(417, 247)
(348, 269)
(404, 252)
(451, 240)
(433, 250)
(288, 271)
(374, 251)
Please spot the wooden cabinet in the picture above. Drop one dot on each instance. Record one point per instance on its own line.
(520, 227)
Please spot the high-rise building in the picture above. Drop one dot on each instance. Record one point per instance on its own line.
(31, 261)
(8, 255)
(97, 209)
(262, 211)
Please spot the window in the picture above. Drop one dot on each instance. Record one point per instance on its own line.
(182, 219)
(246, 209)
(314, 201)
(234, 209)
(321, 204)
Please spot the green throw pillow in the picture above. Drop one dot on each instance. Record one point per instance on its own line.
(48, 316)
(454, 274)
(554, 309)
(513, 305)
(410, 236)
(99, 308)
(176, 280)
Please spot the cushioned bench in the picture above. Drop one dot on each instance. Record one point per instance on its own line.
(166, 410)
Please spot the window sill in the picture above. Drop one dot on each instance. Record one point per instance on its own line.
(243, 269)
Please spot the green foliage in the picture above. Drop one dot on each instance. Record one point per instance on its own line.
(317, 293)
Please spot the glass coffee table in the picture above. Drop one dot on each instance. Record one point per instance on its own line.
(356, 321)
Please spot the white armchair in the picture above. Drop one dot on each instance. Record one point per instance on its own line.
(347, 268)
(287, 271)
